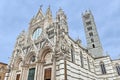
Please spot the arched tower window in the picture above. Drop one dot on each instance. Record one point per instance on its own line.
(103, 69)
(72, 56)
(92, 40)
(58, 17)
(81, 58)
(88, 63)
(93, 45)
(118, 69)
(93, 66)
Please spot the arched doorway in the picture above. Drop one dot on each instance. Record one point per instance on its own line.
(46, 59)
(32, 66)
(48, 66)
(19, 68)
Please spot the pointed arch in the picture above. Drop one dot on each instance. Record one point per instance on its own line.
(103, 69)
(43, 53)
(88, 63)
(117, 68)
(19, 52)
(81, 58)
(72, 54)
(39, 14)
(93, 45)
(18, 62)
(29, 56)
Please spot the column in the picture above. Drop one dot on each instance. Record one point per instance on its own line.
(24, 73)
(54, 68)
(39, 72)
(12, 75)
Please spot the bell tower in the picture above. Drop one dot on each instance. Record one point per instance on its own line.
(93, 42)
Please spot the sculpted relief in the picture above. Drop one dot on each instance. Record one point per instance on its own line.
(21, 39)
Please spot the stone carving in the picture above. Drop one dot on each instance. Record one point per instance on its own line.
(64, 46)
(21, 39)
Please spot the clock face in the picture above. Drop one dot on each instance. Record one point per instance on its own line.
(36, 33)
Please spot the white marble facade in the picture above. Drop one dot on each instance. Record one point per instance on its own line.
(47, 52)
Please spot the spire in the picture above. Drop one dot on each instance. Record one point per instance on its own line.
(60, 11)
(62, 19)
(38, 17)
(40, 14)
(31, 21)
(49, 14)
(78, 41)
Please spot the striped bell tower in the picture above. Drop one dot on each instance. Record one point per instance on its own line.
(93, 42)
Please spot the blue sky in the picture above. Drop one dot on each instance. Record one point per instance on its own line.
(15, 16)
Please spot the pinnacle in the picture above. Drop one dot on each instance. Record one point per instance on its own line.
(48, 12)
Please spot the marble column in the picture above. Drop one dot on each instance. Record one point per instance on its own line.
(24, 73)
(36, 71)
(13, 75)
(39, 71)
(54, 68)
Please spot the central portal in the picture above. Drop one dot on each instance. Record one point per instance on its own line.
(47, 74)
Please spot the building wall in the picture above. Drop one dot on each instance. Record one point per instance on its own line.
(3, 70)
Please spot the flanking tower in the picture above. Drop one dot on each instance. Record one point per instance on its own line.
(93, 42)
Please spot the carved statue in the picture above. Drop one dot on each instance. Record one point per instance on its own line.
(21, 39)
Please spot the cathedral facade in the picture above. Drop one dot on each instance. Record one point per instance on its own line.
(47, 52)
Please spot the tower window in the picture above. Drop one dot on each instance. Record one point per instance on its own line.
(89, 28)
(58, 17)
(93, 45)
(102, 65)
(92, 40)
(90, 34)
(81, 58)
(72, 56)
(118, 69)
(88, 23)
(88, 63)
(87, 16)
(51, 33)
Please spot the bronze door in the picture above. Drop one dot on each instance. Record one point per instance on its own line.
(47, 74)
